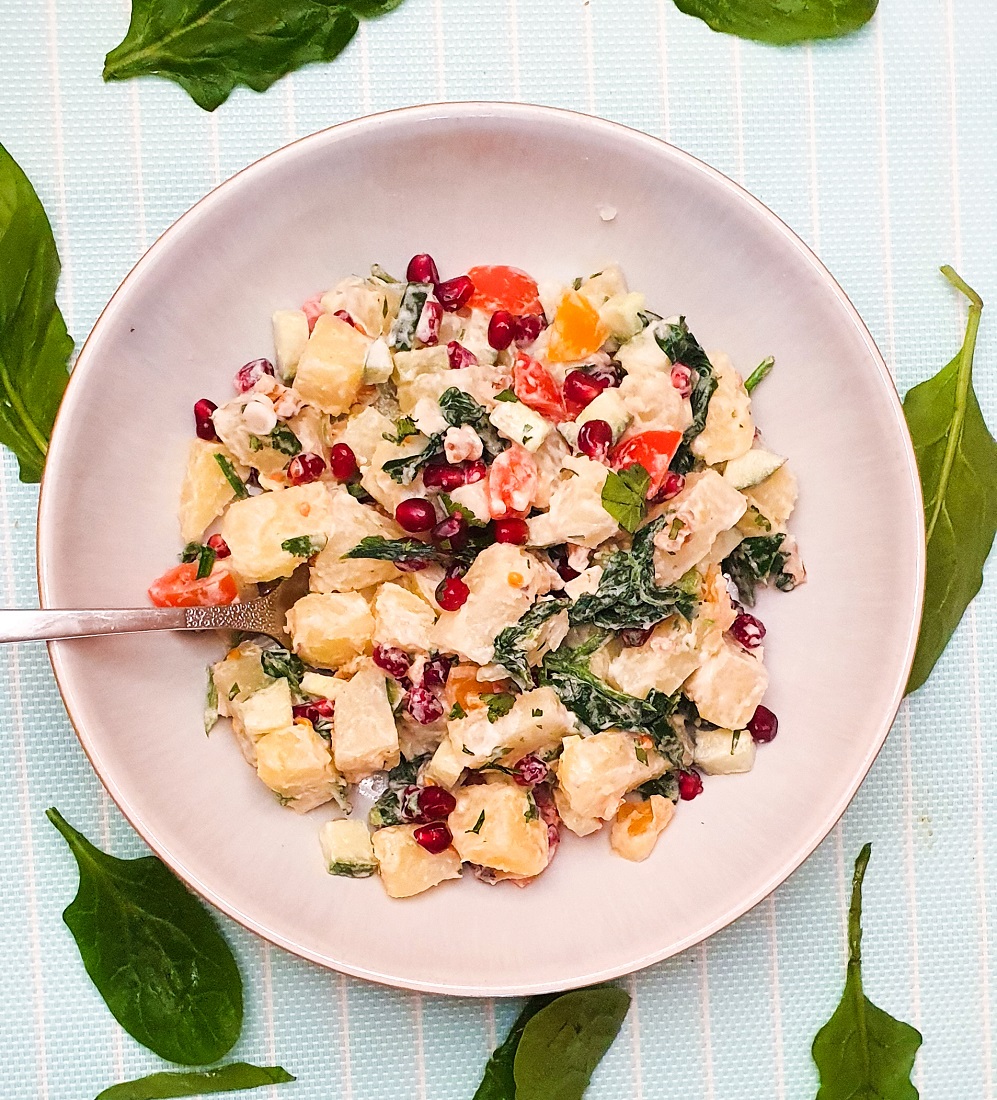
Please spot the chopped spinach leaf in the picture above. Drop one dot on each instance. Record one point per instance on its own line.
(279, 663)
(679, 344)
(358, 492)
(532, 809)
(304, 546)
(624, 495)
(404, 427)
(506, 395)
(403, 550)
(666, 785)
(404, 470)
(514, 644)
(756, 561)
(390, 808)
(460, 408)
(284, 440)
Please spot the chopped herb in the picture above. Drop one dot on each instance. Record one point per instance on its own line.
(646, 317)
(403, 550)
(466, 750)
(377, 272)
(640, 752)
(477, 824)
(515, 643)
(210, 703)
(734, 740)
(576, 284)
(498, 705)
(627, 596)
(304, 546)
(459, 408)
(358, 492)
(204, 556)
(456, 711)
(404, 470)
(666, 785)
(537, 712)
(279, 663)
(624, 495)
(532, 809)
(757, 561)
(452, 506)
(676, 528)
(255, 443)
(387, 810)
(506, 395)
(233, 691)
(679, 344)
(759, 373)
(403, 332)
(404, 427)
(238, 485)
(284, 440)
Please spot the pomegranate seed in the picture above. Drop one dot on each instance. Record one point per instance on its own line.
(512, 530)
(434, 837)
(452, 593)
(763, 725)
(395, 662)
(317, 711)
(527, 328)
(610, 373)
(530, 770)
(251, 373)
(634, 637)
(423, 705)
(690, 785)
(344, 316)
(304, 468)
(436, 671)
(435, 803)
(671, 487)
(428, 329)
(460, 357)
(204, 426)
(559, 556)
(441, 475)
(454, 294)
(682, 379)
(451, 533)
(220, 546)
(343, 462)
(595, 437)
(422, 269)
(582, 389)
(501, 329)
(415, 514)
(748, 630)
(474, 471)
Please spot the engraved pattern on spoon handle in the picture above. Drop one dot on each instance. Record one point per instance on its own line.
(255, 617)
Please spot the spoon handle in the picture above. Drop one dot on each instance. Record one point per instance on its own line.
(31, 625)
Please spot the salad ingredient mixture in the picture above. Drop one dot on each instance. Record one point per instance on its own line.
(534, 518)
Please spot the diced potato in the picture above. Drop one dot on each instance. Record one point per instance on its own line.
(254, 529)
(549, 459)
(402, 619)
(423, 583)
(321, 685)
(446, 766)
(351, 521)
(496, 825)
(775, 497)
(537, 721)
(409, 365)
(330, 370)
(363, 300)
(290, 336)
(638, 826)
(596, 772)
(603, 285)
(724, 752)
(729, 430)
(205, 490)
(266, 710)
(474, 498)
(621, 314)
(477, 381)
(653, 402)
(296, 765)
(503, 582)
(406, 867)
(364, 433)
(585, 583)
(580, 826)
(641, 355)
(608, 406)
(520, 423)
(728, 686)
(365, 738)
(347, 848)
(576, 513)
(330, 628)
(238, 675)
(705, 507)
(382, 486)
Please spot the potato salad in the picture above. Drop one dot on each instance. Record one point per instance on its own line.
(534, 520)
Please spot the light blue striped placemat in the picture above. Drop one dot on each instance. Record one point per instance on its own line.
(881, 151)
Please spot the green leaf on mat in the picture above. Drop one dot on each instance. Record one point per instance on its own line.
(154, 953)
(34, 344)
(862, 1052)
(782, 22)
(209, 47)
(499, 1082)
(230, 1078)
(957, 462)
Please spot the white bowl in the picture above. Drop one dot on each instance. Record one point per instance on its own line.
(483, 183)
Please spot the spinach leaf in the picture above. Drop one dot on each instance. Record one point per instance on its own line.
(627, 596)
(230, 1078)
(514, 643)
(460, 408)
(304, 546)
(404, 470)
(760, 372)
(390, 808)
(624, 495)
(679, 344)
(755, 561)
(34, 344)
(863, 1053)
(499, 1082)
(506, 395)
(280, 662)
(209, 47)
(154, 953)
(399, 550)
(666, 785)
(564, 1042)
(780, 23)
(957, 461)
(597, 704)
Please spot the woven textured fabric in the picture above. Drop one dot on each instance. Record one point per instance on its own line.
(881, 151)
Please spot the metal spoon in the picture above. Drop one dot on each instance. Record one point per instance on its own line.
(264, 615)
